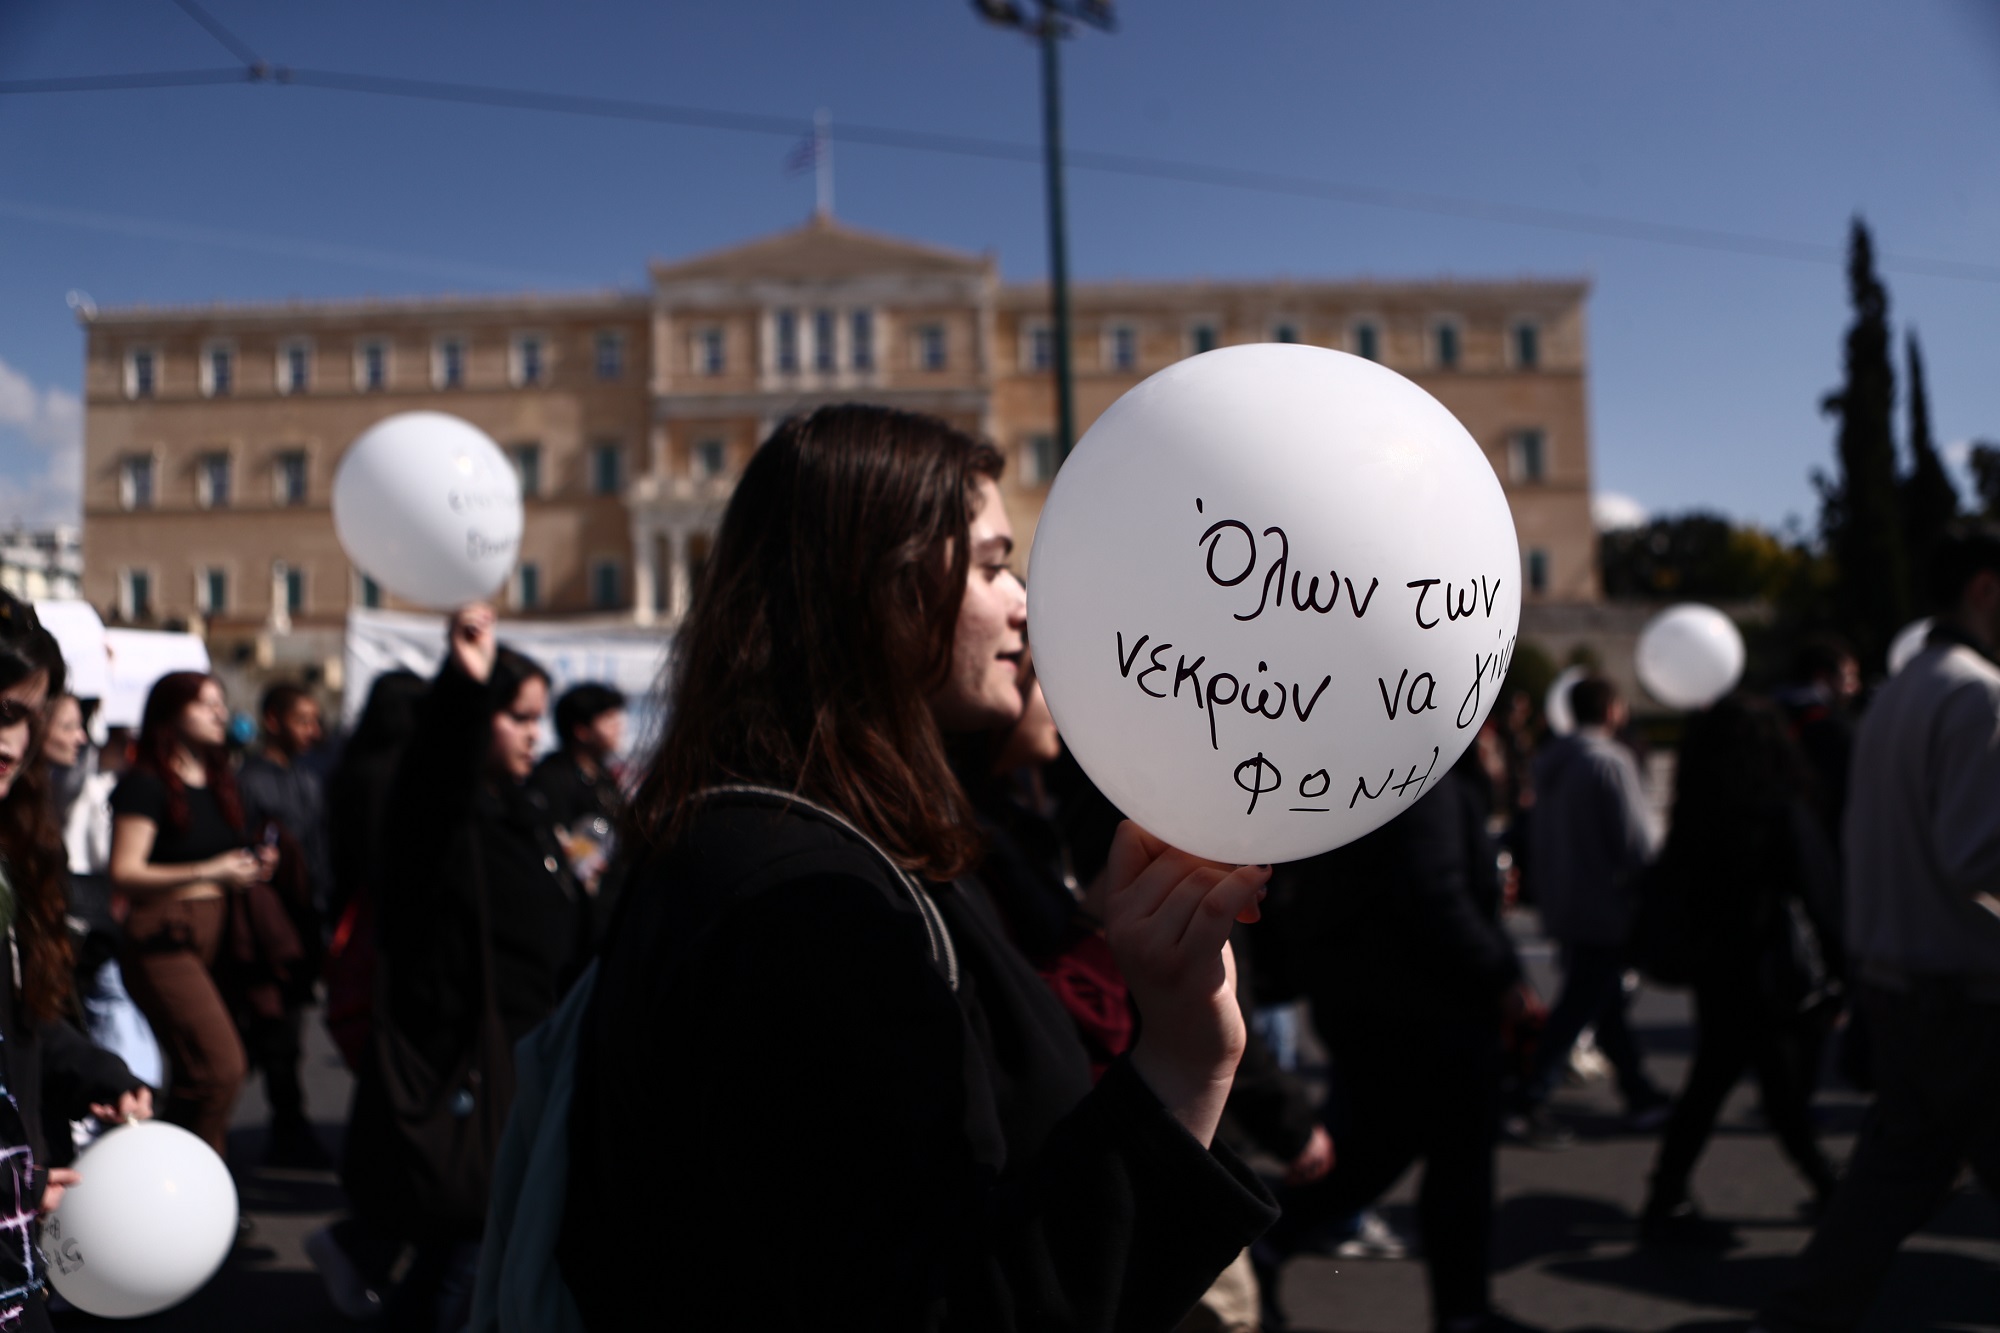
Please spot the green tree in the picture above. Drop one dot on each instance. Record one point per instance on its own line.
(1695, 555)
(1986, 476)
(1930, 501)
(1859, 515)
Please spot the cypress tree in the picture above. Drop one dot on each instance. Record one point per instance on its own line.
(1930, 501)
(1860, 517)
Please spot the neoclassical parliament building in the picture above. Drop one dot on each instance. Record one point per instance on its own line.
(212, 433)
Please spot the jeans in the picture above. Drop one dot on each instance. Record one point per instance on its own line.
(1735, 1032)
(1406, 1091)
(116, 1024)
(1593, 994)
(169, 947)
(1937, 1107)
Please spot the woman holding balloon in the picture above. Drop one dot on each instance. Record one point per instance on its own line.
(49, 1072)
(792, 954)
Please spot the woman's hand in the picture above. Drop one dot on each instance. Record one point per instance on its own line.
(134, 1105)
(472, 640)
(1167, 918)
(234, 869)
(60, 1179)
(1313, 1161)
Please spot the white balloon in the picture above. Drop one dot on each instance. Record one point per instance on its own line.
(1274, 592)
(1690, 655)
(152, 1219)
(427, 506)
(1555, 704)
(1909, 641)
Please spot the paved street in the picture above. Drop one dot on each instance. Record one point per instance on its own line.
(1565, 1234)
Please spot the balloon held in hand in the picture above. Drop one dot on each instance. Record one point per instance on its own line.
(152, 1219)
(427, 506)
(1273, 595)
(1690, 656)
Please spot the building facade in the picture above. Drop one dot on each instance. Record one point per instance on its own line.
(212, 434)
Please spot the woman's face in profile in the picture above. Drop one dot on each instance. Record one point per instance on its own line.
(983, 689)
(205, 722)
(65, 738)
(18, 705)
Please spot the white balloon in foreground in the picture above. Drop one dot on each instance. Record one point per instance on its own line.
(1909, 641)
(1274, 593)
(427, 506)
(1555, 704)
(1690, 656)
(151, 1221)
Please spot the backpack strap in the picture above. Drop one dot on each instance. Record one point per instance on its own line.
(943, 955)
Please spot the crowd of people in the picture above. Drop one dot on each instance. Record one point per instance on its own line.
(892, 1021)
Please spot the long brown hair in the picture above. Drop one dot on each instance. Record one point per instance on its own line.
(822, 625)
(159, 738)
(30, 837)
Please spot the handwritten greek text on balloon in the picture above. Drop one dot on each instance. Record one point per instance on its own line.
(1462, 606)
(1231, 541)
(1268, 702)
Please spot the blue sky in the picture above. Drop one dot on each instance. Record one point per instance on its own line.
(1779, 119)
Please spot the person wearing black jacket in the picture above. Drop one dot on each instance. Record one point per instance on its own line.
(1750, 859)
(817, 1086)
(50, 1073)
(1409, 974)
(465, 848)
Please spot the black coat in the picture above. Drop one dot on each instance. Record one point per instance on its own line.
(1402, 926)
(785, 1118)
(54, 1074)
(450, 836)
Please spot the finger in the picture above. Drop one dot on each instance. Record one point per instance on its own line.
(1179, 905)
(1237, 893)
(1142, 897)
(1154, 846)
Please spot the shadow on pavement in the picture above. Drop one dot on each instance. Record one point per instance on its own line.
(1529, 1227)
(1927, 1289)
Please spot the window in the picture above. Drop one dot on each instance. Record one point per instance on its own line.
(1527, 456)
(1122, 347)
(295, 590)
(604, 585)
(1202, 338)
(930, 347)
(607, 468)
(710, 352)
(1444, 346)
(1368, 341)
(823, 348)
(610, 355)
(1039, 353)
(708, 458)
(371, 366)
(1538, 570)
(528, 468)
(371, 593)
(135, 482)
(861, 335)
(136, 595)
(294, 367)
(141, 372)
(211, 481)
(1527, 345)
(212, 591)
(528, 586)
(448, 363)
(218, 370)
(529, 361)
(1038, 459)
(788, 341)
(290, 477)
(1285, 333)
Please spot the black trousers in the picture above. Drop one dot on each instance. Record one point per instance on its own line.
(1406, 1092)
(1593, 995)
(1937, 1107)
(1736, 1032)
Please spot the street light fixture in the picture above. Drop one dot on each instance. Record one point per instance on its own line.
(1049, 25)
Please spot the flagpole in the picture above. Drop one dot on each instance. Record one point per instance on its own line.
(823, 161)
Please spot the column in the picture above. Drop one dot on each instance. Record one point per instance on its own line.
(679, 587)
(645, 573)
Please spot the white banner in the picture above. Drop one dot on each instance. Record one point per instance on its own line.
(629, 658)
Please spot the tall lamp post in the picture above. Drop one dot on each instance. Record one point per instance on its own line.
(1049, 25)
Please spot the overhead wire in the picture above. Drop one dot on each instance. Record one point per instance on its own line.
(893, 137)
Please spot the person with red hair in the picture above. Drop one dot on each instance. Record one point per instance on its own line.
(177, 851)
